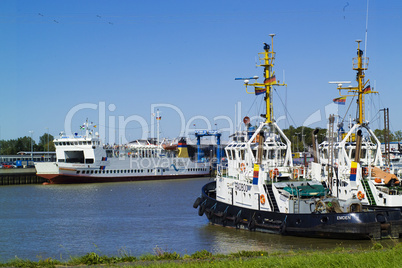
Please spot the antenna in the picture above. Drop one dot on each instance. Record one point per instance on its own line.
(365, 42)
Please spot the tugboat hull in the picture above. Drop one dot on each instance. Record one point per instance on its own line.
(374, 224)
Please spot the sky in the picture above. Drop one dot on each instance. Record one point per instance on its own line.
(116, 63)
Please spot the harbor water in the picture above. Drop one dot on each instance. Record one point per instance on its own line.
(135, 218)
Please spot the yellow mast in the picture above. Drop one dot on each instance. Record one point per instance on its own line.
(266, 59)
(360, 64)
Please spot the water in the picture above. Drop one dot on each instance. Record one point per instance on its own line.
(59, 221)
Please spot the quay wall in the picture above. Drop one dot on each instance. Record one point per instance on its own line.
(12, 176)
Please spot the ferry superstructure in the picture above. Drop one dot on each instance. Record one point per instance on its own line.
(262, 190)
(84, 159)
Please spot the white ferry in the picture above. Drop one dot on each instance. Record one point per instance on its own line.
(84, 159)
(351, 163)
(262, 190)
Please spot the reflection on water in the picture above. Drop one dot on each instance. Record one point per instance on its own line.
(227, 240)
(60, 221)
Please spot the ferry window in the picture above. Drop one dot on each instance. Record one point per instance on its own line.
(64, 143)
(89, 160)
(74, 156)
(78, 172)
(107, 171)
(96, 172)
(61, 160)
(92, 171)
(80, 142)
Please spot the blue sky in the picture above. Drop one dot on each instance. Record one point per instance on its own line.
(129, 56)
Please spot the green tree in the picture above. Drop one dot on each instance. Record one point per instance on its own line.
(380, 133)
(301, 137)
(397, 135)
(45, 142)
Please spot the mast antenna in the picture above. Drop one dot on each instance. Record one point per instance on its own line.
(365, 41)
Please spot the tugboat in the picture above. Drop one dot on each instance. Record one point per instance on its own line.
(351, 163)
(261, 190)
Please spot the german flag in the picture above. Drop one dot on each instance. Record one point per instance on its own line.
(270, 80)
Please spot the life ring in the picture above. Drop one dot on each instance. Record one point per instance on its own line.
(276, 172)
(377, 180)
(242, 167)
(365, 172)
(271, 174)
(301, 171)
(360, 195)
(295, 173)
(262, 199)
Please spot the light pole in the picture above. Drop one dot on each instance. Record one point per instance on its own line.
(47, 155)
(31, 132)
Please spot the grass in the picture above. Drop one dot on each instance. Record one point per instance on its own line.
(377, 256)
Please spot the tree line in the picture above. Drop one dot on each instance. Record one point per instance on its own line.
(24, 144)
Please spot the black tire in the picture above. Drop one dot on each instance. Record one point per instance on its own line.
(197, 202)
(201, 210)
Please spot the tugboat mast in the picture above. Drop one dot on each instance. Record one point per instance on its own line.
(266, 59)
(360, 64)
(360, 80)
(269, 58)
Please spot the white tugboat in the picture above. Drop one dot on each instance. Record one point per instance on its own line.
(262, 190)
(352, 163)
(83, 159)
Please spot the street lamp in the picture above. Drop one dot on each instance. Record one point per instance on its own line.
(47, 155)
(31, 132)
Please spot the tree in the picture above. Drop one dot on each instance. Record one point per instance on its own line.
(45, 143)
(397, 135)
(380, 133)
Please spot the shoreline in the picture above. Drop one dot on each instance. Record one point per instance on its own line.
(376, 256)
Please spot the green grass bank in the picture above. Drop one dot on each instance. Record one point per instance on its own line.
(376, 256)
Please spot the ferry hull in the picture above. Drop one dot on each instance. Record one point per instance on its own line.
(362, 225)
(66, 179)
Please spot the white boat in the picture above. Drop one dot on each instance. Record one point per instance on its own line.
(262, 190)
(351, 164)
(84, 159)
